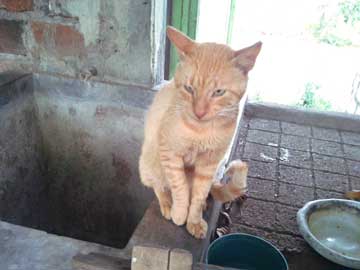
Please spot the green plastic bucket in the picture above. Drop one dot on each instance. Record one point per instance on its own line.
(246, 252)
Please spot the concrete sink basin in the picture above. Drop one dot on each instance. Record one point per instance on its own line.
(332, 228)
(69, 181)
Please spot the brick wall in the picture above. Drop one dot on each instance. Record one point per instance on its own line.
(70, 37)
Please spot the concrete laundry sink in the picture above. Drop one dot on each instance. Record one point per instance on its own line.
(69, 179)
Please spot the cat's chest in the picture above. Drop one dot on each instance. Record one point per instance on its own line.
(201, 149)
(190, 156)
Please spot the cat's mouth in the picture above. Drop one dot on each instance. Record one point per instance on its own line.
(191, 116)
(209, 118)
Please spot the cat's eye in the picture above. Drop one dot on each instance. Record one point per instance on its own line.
(218, 92)
(189, 89)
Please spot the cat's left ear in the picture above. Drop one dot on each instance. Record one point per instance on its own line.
(183, 44)
(245, 58)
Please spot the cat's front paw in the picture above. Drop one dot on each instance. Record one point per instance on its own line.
(198, 230)
(165, 209)
(179, 215)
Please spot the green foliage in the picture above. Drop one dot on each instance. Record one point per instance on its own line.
(350, 10)
(257, 97)
(311, 99)
(339, 25)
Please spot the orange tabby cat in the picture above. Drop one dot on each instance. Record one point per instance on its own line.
(189, 127)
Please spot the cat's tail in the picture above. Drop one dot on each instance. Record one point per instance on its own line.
(236, 187)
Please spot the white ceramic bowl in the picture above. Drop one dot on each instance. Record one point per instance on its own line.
(332, 228)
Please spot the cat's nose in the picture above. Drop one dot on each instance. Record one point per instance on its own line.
(200, 112)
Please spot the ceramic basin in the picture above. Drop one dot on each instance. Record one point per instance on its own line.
(332, 228)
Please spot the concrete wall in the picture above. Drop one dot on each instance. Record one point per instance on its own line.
(117, 40)
(22, 186)
(92, 135)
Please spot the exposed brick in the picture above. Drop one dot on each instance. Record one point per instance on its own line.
(259, 213)
(60, 39)
(296, 176)
(260, 152)
(327, 148)
(325, 194)
(354, 167)
(39, 30)
(295, 158)
(68, 41)
(351, 137)
(261, 189)
(295, 195)
(263, 137)
(286, 219)
(11, 37)
(262, 169)
(295, 129)
(295, 142)
(326, 134)
(355, 182)
(352, 151)
(331, 181)
(17, 5)
(331, 164)
(270, 125)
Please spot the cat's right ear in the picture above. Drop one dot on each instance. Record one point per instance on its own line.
(245, 58)
(183, 44)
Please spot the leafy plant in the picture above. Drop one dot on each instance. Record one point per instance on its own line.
(350, 10)
(257, 97)
(339, 25)
(311, 99)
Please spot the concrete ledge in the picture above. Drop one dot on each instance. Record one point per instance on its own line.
(335, 120)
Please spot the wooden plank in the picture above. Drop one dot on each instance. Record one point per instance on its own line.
(97, 261)
(180, 259)
(149, 258)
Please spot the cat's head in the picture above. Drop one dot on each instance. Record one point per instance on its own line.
(211, 78)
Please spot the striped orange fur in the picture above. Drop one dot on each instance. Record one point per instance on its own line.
(189, 127)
